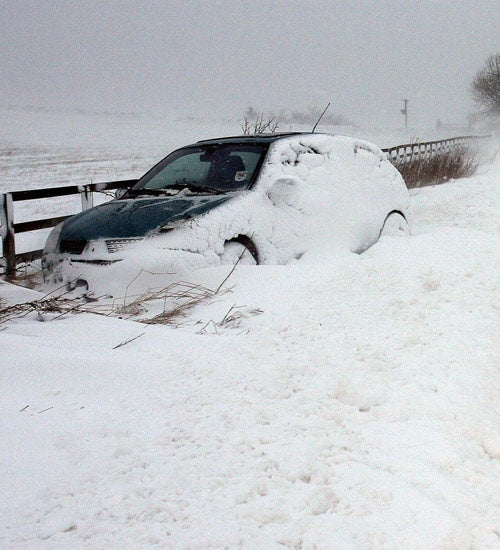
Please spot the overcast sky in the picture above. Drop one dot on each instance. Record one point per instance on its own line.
(220, 56)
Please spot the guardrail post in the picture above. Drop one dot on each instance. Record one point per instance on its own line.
(7, 232)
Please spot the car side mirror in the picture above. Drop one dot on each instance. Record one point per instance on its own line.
(120, 193)
(282, 191)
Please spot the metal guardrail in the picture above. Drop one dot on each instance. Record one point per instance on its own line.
(9, 228)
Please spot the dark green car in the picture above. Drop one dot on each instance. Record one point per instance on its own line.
(253, 199)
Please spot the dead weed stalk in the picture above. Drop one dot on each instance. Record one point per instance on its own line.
(177, 300)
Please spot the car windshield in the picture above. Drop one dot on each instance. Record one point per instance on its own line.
(218, 168)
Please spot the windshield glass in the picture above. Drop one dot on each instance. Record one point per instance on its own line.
(208, 168)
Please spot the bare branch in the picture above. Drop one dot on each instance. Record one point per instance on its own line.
(261, 125)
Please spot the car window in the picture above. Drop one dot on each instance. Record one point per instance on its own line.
(220, 167)
(184, 169)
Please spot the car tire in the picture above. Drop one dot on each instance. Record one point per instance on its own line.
(395, 225)
(236, 252)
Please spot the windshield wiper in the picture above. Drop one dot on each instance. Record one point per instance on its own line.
(195, 188)
(148, 191)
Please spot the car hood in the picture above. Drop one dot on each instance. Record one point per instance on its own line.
(128, 218)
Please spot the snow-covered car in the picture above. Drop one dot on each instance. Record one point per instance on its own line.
(263, 199)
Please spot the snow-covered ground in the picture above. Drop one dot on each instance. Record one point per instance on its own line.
(349, 404)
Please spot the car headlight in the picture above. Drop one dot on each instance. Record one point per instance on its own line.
(52, 242)
(51, 247)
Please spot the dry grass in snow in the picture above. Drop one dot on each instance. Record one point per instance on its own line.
(459, 162)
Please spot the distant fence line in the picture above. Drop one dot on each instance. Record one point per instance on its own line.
(426, 149)
(9, 228)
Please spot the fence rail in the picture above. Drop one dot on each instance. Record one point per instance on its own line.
(426, 149)
(9, 228)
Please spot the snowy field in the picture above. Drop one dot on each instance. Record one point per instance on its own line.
(43, 148)
(351, 404)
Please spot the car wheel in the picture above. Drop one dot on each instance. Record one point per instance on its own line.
(237, 253)
(395, 225)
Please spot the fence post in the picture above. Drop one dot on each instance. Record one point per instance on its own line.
(87, 197)
(8, 238)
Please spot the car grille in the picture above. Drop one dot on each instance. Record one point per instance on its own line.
(115, 245)
(72, 247)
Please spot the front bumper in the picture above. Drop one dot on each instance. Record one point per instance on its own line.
(126, 273)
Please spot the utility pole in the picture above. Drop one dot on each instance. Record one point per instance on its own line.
(405, 113)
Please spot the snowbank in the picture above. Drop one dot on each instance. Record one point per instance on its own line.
(352, 405)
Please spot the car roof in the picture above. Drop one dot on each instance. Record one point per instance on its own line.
(250, 138)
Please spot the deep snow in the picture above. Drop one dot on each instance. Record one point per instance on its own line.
(348, 404)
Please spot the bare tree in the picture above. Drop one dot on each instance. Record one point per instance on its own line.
(251, 113)
(260, 125)
(485, 87)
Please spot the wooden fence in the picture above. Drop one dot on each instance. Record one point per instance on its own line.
(9, 228)
(427, 149)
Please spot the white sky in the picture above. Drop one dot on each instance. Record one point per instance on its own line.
(206, 57)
